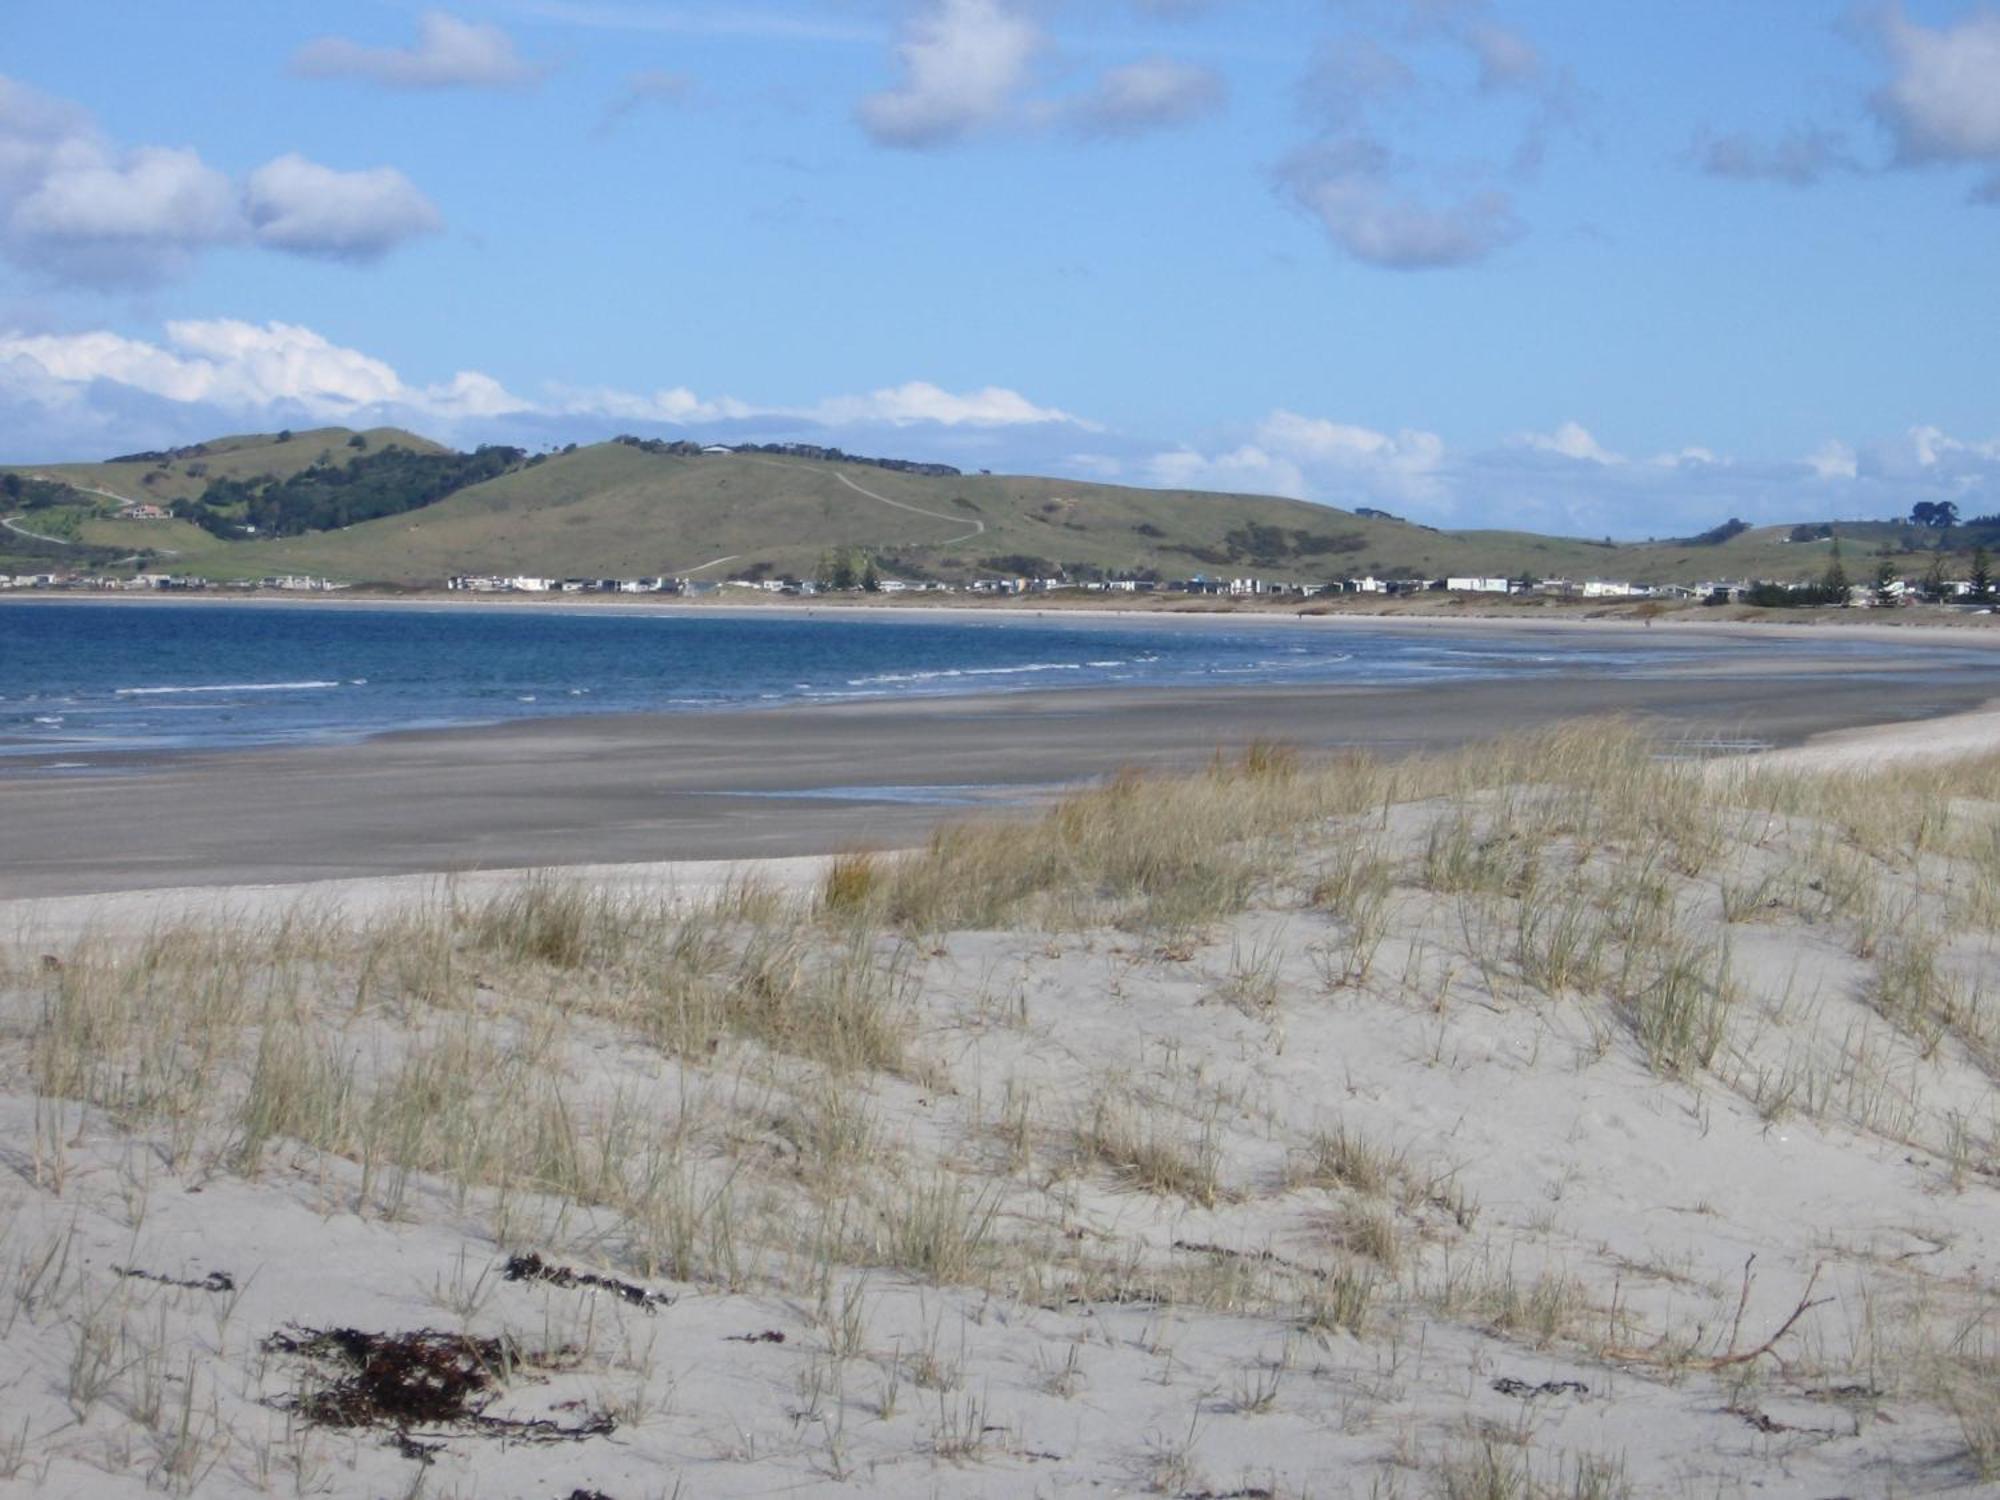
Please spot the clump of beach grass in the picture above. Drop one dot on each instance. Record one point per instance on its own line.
(780, 1090)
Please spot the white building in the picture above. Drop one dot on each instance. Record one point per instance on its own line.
(1476, 585)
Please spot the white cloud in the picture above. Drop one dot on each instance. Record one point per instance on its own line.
(1942, 102)
(1932, 446)
(963, 64)
(298, 205)
(1833, 459)
(449, 53)
(1153, 94)
(1347, 186)
(77, 208)
(920, 401)
(677, 406)
(233, 370)
(1574, 441)
(1687, 458)
(153, 194)
(245, 367)
(1311, 458)
(965, 67)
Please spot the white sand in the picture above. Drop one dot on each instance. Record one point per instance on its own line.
(1576, 1167)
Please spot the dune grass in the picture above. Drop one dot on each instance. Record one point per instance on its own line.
(772, 1089)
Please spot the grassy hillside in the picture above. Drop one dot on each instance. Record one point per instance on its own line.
(614, 510)
(186, 472)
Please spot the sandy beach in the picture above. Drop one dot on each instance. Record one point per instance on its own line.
(1511, 1109)
(819, 778)
(1544, 1119)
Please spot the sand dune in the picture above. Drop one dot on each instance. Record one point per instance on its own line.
(1544, 1119)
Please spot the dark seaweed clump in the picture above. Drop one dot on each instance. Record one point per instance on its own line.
(424, 1379)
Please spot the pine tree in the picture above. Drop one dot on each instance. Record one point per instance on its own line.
(1982, 574)
(1833, 585)
(1934, 578)
(1885, 582)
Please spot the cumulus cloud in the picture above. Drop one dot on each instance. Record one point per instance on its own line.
(1833, 459)
(1799, 157)
(1567, 481)
(920, 401)
(1347, 187)
(206, 374)
(1312, 458)
(247, 367)
(1942, 101)
(298, 205)
(1361, 192)
(1573, 441)
(1152, 94)
(448, 53)
(77, 208)
(963, 64)
(1687, 458)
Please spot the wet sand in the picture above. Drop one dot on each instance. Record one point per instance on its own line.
(818, 778)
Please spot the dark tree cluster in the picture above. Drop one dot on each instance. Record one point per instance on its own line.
(386, 482)
(835, 455)
(659, 447)
(1715, 536)
(1271, 546)
(1026, 564)
(160, 455)
(682, 448)
(19, 493)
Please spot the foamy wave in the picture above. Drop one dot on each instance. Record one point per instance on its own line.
(224, 687)
(947, 673)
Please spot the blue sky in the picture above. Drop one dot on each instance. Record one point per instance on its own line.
(1622, 269)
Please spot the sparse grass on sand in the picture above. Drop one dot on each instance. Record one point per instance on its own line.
(1558, 1117)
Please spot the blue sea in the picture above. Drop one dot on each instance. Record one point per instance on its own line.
(99, 676)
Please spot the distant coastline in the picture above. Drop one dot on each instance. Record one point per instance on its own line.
(1416, 612)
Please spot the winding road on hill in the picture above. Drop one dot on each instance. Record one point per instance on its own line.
(13, 524)
(978, 527)
(15, 527)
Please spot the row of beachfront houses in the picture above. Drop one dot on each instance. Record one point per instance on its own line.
(1245, 587)
(1202, 584)
(151, 583)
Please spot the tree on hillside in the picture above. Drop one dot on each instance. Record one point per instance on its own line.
(1933, 585)
(837, 571)
(1982, 575)
(1885, 582)
(1942, 514)
(1833, 583)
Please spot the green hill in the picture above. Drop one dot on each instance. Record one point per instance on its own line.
(184, 473)
(623, 510)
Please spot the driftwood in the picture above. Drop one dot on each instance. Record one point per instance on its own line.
(1733, 1356)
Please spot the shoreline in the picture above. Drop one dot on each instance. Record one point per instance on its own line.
(70, 918)
(801, 780)
(1737, 622)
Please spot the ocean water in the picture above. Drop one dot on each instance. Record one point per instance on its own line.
(84, 677)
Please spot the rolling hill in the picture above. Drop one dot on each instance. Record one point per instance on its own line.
(624, 510)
